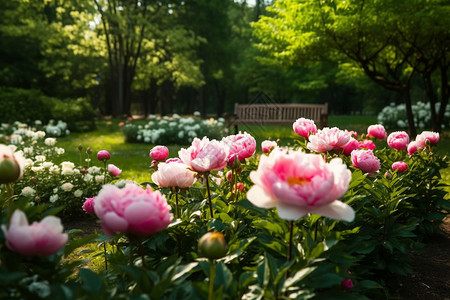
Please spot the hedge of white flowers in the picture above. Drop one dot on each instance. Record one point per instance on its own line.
(173, 130)
(394, 116)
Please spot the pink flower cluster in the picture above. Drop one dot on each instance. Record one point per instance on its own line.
(204, 155)
(159, 153)
(43, 238)
(132, 210)
(173, 173)
(365, 160)
(298, 183)
(426, 137)
(377, 131)
(240, 146)
(304, 127)
(328, 139)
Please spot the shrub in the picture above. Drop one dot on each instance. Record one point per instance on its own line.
(24, 105)
(173, 130)
(29, 105)
(394, 117)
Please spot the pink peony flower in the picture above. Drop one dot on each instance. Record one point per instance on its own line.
(298, 183)
(398, 140)
(113, 170)
(365, 160)
(304, 127)
(159, 152)
(328, 139)
(88, 206)
(240, 146)
(350, 146)
(377, 131)
(347, 284)
(173, 174)
(367, 144)
(43, 238)
(412, 148)
(204, 155)
(400, 166)
(354, 134)
(268, 146)
(103, 155)
(11, 164)
(121, 124)
(430, 136)
(174, 159)
(132, 210)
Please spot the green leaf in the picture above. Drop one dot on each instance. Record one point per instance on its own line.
(91, 281)
(74, 244)
(299, 275)
(181, 270)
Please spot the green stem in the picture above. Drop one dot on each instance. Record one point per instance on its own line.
(209, 196)
(316, 229)
(291, 233)
(212, 271)
(10, 197)
(106, 259)
(104, 174)
(141, 250)
(176, 202)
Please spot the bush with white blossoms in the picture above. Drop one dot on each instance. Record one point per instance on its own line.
(173, 130)
(394, 117)
(33, 141)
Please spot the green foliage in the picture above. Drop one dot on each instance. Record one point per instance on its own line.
(30, 105)
(173, 130)
(24, 105)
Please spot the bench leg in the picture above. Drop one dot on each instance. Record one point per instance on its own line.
(236, 129)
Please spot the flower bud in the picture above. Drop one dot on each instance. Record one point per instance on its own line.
(103, 155)
(80, 147)
(9, 170)
(229, 175)
(88, 151)
(212, 245)
(240, 186)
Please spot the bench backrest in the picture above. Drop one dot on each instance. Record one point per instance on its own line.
(280, 113)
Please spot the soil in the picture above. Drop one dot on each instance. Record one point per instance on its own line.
(430, 279)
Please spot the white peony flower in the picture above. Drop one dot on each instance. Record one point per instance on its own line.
(28, 191)
(67, 187)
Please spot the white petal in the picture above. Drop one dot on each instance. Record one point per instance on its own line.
(336, 210)
(258, 197)
(18, 219)
(290, 212)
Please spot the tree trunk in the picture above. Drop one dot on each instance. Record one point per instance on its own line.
(409, 114)
(445, 94)
(431, 95)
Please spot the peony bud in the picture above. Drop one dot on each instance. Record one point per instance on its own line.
(9, 169)
(103, 155)
(212, 245)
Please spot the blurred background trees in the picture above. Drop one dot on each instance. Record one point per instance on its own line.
(128, 57)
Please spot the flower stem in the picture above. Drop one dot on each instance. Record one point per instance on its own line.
(212, 276)
(104, 174)
(291, 233)
(176, 202)
(106, 259)
(10, 197)
(209, 196)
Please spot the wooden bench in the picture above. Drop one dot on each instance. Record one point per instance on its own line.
(278, 114)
